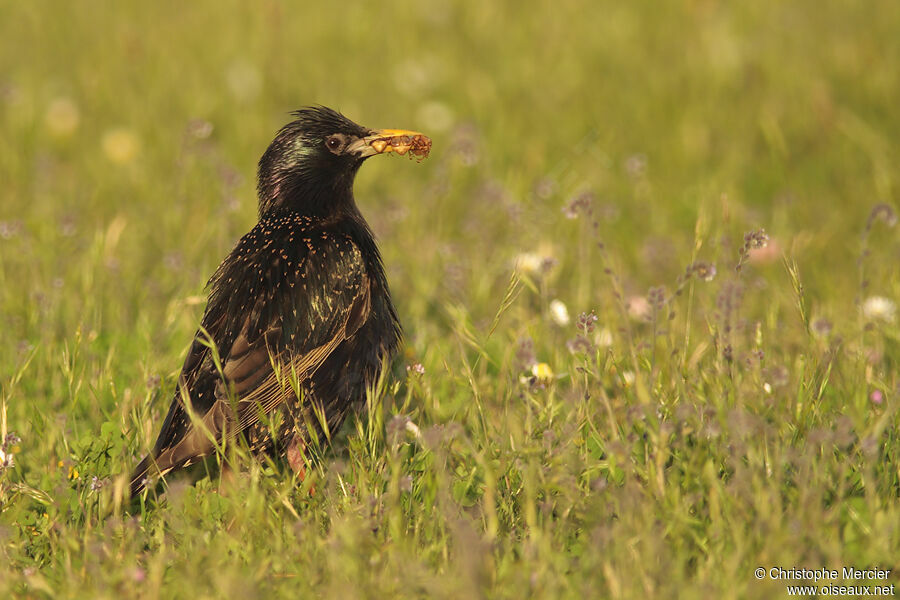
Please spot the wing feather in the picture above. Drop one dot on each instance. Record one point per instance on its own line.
(269, 325)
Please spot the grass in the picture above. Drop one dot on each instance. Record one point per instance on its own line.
(695, 430)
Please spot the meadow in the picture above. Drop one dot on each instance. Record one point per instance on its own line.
(648, 281)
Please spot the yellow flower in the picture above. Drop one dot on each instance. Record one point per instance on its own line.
(120, 145)
(542, 372)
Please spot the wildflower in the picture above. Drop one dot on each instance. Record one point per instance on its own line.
(413, 429)
(7, 460)
(728, 353)
(97, 483)
(638, 308)
(628, 378)
(542, 372)
(580, 204)
(62, 117)
(753, 241)
(8, 449)
(756, 240)
(586, 322)
(539, 262)
(559, 313)
(120, 145)
(396, 425)
(703, 270)
(769, 252)
(416, 368)
(879, 308)
(528, 262)
(579, 345)
(199, 129)
(821, 327)
(656, 297)
(877, 397)
(884, 213)
(399, 424)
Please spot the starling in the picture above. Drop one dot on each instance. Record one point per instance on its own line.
(299, 319)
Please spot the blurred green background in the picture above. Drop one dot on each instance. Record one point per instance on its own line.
(130, 135)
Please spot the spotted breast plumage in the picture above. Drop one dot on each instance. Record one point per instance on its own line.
(299, 319)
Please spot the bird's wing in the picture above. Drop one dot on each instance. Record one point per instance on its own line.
(269, 325)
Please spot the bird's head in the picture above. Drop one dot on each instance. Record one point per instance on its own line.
(310, 165)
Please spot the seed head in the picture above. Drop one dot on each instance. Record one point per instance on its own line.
(879, 308)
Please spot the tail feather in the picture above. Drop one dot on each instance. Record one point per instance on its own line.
(141, 474)
(155, 465)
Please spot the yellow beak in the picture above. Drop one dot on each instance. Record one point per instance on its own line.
(400, 141)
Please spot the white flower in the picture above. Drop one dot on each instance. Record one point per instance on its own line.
(559, 313)
(7, 460)
(416, 368)
(604, 338)
(528, 262)
(541, 261)
(879, 308)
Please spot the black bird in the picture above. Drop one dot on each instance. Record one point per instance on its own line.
(299, 319)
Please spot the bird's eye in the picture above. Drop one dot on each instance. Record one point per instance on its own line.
(334, 143)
